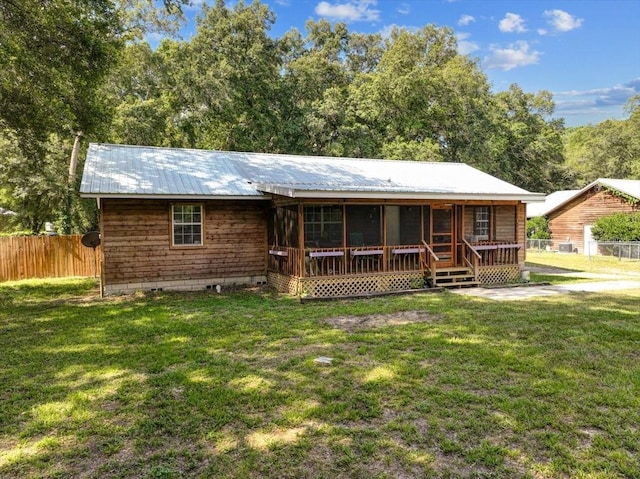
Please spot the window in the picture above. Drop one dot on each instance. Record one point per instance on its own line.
(323, 226)
(187, 225)
(481, 223)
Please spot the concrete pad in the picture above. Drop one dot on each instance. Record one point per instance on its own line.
(525, 292)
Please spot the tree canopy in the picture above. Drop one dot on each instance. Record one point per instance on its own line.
(85, 66)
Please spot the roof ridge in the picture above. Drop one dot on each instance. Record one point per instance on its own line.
(285, 155)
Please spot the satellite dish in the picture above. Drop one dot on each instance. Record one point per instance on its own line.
(91, 239)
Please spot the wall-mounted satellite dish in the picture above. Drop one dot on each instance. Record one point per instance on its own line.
(92, 240)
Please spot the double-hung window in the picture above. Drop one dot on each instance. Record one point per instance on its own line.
(186, 225)
(481, 223)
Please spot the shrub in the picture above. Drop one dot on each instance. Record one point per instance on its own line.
(617, 227)
(538, 228)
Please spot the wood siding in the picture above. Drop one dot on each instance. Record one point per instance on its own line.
(567, 222)
(137, 243)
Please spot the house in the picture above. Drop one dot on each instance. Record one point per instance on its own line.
(572, 213)
(551, 201)
(324, 227)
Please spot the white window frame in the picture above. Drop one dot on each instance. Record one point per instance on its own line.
(187, 220)
(482, 221)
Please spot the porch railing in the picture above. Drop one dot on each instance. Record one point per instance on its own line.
(345, 261)
(471, 257)
(429, 262)
(383, 259)
(494, 253)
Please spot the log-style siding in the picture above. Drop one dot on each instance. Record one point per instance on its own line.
(567, 222)
(136, 242)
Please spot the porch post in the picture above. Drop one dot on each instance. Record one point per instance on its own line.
(301, 238)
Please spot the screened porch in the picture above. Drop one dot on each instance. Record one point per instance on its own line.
(412, 241)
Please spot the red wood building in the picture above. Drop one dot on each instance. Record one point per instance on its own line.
(570, 219)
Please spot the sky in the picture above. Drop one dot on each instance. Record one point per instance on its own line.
(585, 52)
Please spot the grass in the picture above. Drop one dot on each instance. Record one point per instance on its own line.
(574, 262)
(207, 385)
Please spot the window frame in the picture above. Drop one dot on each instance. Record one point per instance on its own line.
(172, 225)
(482, 226)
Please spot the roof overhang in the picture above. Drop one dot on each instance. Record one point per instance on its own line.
(129, 196)
(293, 192)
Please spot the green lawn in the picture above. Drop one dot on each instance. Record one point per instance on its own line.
(207, 385)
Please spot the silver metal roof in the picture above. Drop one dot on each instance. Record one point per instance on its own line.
(561, 198)
(550, 203)
(136, 171)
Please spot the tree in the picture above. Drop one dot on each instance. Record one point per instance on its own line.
(610, 149)
(527, 147)
(230, 78)
(55, 55)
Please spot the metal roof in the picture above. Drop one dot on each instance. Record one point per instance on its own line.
(136, 171)
(561, 198)
(550, 203)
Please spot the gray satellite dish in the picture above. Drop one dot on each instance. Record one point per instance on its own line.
(92, 240)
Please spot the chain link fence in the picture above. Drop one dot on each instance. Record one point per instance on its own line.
(622, 250)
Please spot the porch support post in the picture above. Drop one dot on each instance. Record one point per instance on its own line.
(301, 238)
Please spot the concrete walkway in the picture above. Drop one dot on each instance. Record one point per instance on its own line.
(525, 292)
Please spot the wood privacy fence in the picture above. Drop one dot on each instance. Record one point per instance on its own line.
(24, 257)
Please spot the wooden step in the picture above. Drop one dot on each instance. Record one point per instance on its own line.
(455, 277)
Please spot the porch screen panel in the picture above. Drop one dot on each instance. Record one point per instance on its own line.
(364, 225)
(403, 225)
(283, 226)
(426, 218)
(323, 226)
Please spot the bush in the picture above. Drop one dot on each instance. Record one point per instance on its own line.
(538, 228)
(617, 227)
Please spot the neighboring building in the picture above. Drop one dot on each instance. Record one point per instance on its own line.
(318, 226)
(571, 214)
(550, 203)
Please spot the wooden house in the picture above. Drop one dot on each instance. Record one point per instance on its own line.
(317, 226)
(571, 214)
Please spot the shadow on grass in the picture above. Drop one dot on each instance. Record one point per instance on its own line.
(225, 386)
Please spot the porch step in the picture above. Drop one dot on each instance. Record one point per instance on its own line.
(455, 278)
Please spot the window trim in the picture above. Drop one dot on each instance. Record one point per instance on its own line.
(485, 222)
(172, 224)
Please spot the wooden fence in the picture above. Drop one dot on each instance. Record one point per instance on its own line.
(24, 257)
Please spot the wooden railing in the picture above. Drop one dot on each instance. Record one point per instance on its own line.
(345, 261)
(285, 260)
(383, 259)
(429, 260)
(497, 252)
(471, 257)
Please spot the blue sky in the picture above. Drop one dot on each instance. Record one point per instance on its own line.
(587, 53)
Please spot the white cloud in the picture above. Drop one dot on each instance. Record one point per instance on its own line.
(284, 3)
(512, 22)
(516, 55)
(350, 11)
(562, 21)
(465, 47)
(386, 31)
(404, 9)
(615, 95)
(466, 20)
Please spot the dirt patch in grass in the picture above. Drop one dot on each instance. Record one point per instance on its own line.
(401, 318)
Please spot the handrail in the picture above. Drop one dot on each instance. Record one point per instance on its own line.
(473, 250)
(430, 263)
(476, 258)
